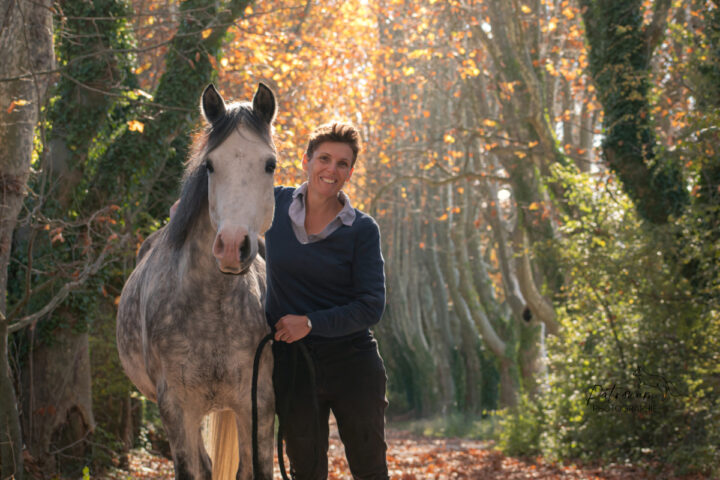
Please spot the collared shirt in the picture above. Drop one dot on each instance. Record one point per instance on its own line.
(346, 216)
(339, 282)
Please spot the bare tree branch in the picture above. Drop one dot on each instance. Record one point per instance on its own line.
(117, 95)
(432, 182)
(88, 271)
(540, 306)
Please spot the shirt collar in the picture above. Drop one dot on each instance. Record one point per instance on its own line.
(301, 190)
(346, 215)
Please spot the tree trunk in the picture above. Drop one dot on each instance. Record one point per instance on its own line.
(436, 295)
(57, 402)
(621, 49)
(26, 43)
(508, 383)
(11, 463)
(58, 415)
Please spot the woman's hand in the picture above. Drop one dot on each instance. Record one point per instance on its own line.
(292, 328)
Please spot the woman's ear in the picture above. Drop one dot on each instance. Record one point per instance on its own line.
(305, 162)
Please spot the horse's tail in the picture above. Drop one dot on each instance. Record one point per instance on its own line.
(223, 445)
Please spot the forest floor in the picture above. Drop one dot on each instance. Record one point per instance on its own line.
(413, 457)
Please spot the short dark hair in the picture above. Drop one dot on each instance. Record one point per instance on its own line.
(335, 132)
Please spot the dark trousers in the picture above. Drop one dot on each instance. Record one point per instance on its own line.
(349, 379)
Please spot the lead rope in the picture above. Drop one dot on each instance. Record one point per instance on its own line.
(253, 394)
(316, 408)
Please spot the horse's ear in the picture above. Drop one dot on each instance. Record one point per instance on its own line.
(212, 104)
(264, 104)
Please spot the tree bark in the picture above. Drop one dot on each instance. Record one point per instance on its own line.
(27, 45)
(57, 417)
(58, 412)
(436, 295)
(621, 49)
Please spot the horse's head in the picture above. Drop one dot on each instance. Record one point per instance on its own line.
(232, 174)
(240, 177)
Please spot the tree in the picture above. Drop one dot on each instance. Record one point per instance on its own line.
(27, 32)
(621, 51)
(469, 109)
(97, 137)
(54, 371)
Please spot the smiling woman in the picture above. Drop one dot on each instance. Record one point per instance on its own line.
(327, 168)
(326, 288)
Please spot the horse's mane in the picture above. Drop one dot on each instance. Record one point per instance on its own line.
(194, 193)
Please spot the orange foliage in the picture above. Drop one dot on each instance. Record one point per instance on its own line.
(316, 59)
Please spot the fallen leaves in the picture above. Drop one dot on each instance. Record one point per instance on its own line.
(419, 458)
(143, 465)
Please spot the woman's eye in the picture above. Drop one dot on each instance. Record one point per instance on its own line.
(209, 166)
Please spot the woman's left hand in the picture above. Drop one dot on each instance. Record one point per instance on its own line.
(291, 328)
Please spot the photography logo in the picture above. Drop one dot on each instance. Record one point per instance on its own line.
(645, 393)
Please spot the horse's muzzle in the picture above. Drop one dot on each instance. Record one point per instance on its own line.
(234, 249)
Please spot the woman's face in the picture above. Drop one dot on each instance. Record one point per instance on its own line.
(329, 168)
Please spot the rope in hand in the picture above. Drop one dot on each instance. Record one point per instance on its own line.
(316, 408)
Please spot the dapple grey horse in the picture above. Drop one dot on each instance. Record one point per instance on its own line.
(191, 313)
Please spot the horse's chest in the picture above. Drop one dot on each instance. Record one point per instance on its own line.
(205, 367)
(205, 309)
(206, 338)
(208, 327)
(210, 362)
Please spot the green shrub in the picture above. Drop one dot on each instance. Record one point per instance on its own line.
(635, 374)
(520, 428)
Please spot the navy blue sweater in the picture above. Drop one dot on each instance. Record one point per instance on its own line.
(338, 282)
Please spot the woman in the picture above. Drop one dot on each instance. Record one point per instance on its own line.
(326, 288)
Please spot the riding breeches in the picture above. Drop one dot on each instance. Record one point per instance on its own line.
(346, 377)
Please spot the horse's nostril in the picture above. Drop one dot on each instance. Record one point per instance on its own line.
(218, 247)
(245, 249)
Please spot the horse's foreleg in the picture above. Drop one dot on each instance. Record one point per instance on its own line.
(266, 431)
(183, 430)
(244, 433)
(266, 428)
(266, 419)
(205, 462)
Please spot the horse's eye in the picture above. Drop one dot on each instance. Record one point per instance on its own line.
(209, 166)
(270, 165)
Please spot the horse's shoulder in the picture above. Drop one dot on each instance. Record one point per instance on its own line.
(148, 244)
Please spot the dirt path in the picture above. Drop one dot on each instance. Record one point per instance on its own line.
(418, 458)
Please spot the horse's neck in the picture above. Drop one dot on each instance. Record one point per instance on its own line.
(196, 253)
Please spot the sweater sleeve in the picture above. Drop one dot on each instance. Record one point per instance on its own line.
(368, 278)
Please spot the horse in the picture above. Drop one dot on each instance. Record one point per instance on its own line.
(192, 312)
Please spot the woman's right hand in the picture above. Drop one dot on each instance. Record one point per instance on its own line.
(292, 328)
